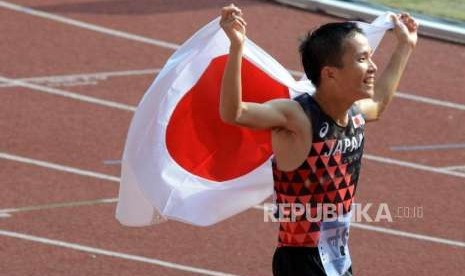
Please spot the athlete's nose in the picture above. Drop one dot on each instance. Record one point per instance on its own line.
(373, 68)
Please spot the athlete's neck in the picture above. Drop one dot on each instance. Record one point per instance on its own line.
(334, 107)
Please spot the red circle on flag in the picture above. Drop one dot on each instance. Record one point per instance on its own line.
(204, 145)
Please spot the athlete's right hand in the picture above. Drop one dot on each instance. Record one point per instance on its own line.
(233, 25)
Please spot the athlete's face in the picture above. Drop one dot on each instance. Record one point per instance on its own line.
(357, 76)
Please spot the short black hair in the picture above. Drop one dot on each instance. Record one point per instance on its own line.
(325, 47)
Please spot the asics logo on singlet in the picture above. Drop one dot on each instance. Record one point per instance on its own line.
(324, 129)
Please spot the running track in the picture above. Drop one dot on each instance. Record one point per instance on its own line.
(71, 76)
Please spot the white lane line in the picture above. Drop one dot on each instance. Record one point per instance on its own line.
(112, 162)
(116, 179)
(67, 94)
(408, 234)
(165, 44)
(86, 78)
(397, 232)
(428, 147)
(411, 165)
(58, 167)
(451, 168)
(58, 205)
(430, 101)
(88, 26)
(94, 250)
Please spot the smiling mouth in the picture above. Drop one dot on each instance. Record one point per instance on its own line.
(369, 80)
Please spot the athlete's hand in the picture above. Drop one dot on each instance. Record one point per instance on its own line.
(233, 25)
(405, 29)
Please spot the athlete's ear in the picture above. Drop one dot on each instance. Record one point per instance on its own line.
(328, 73)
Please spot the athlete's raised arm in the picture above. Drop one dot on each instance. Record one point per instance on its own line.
(272, 114)
(406, 32)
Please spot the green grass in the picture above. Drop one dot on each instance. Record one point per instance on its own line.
(450, 9)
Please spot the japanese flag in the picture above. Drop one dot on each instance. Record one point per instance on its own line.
(180, 160)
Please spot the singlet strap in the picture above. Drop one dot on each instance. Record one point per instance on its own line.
(310, 107)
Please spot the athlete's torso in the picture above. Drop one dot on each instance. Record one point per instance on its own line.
(328, 175)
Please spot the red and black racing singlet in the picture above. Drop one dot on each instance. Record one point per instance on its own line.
(328, 175)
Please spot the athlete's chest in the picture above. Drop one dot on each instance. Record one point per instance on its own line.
(330, 139)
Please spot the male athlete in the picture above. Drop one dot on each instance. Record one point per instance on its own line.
(317, 140)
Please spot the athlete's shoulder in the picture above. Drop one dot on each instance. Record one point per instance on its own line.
(308, 104)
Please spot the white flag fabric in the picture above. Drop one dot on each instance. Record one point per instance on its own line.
(180, 160)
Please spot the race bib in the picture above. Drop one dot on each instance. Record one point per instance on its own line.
(333, 245)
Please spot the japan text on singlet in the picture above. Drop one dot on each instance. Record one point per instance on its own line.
(328, 175)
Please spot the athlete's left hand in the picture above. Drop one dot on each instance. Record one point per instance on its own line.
(405, 29)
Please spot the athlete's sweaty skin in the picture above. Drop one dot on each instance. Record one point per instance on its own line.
(339, 89)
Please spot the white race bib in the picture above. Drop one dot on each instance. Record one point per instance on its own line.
(333, 245)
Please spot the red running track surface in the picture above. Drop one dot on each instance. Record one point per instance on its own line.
(91, 137)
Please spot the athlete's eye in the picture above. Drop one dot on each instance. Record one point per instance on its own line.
(362, 59)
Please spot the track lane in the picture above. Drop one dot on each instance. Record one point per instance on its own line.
(277, 46)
